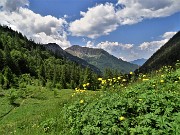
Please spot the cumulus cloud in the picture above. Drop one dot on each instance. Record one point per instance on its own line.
(98, 20)
(90, 44)
(155, 45)
(114, 46)
(105, 18)
(134, 11)
(152, 46)
(42, 29)
(12, 5)
(168, 35)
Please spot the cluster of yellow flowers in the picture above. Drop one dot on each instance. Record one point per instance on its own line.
(79, 90)
(111, 81)
(86, 85)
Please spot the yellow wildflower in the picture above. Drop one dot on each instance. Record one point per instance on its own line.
(124, 80)
(144, 75)
(119, 78)
(121, 118)
(99, 79)
(103, 81)
(110, 80)
(140, 99)
(84, 85)
(81, 101)
(131, 73)
(162, 81)
(87, 84)
(145, 79)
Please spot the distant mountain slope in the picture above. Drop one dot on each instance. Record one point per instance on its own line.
(139, 62)
(101, 59)
(166, 55)
(57, 50)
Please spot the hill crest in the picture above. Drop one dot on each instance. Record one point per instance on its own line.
(101, 59)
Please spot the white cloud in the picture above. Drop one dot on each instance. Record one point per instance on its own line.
(90, 44)
(105, 18)
(114, 46)
(152, 46)
(12, 5)
(43, 29)
(168, 35)
(155, 45)
(135, 11)
(97, 21)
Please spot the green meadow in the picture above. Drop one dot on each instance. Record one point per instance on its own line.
(149, 105)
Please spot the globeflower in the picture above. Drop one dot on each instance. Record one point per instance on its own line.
(81, 101)
(99, 79)
(131, 73)
(103, 81)
(145, 79)
(121, 118)
(162, 81)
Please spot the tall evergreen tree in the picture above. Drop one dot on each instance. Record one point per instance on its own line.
(41, 74)
(62, 78)
(8, 77)
(1, 60)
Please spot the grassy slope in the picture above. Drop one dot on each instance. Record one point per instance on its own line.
(35, 112)
(44, 111)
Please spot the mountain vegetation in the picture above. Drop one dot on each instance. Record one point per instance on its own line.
(150, 105)
(58, 51)
(168, 54)
(43, 92)
(101, 59)
(23, 60)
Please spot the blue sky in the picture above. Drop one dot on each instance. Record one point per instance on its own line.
(127, 29)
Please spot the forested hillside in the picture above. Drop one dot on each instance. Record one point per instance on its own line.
(58, 51)
(168, 54)
(22, 60)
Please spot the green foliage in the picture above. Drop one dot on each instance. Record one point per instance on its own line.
(49, 125)
(19, 56)
(150, 107)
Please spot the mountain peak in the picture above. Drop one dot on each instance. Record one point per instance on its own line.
(86, 50)
(101, 59)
